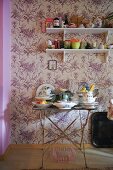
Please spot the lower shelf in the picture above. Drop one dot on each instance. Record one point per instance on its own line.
(79, 50)
(107, 52)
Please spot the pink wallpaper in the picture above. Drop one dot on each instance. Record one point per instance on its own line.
(29, 67)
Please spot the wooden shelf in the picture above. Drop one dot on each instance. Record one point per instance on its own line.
(106, 52)
(79, 30)
(65, 31)
(54, 30)
(79, 50)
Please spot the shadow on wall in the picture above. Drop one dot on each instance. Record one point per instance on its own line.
(1, 116)
(5, 129)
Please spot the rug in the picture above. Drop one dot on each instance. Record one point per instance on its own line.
(65, 154)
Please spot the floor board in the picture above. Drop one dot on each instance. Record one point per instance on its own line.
(19, 158)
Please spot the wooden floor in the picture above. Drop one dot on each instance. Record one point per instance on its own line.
(30, 158)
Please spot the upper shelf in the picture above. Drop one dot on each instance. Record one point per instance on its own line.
(79, 30)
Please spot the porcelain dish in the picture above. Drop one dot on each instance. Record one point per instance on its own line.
(90, 105)
(44, 91)
(64, 105)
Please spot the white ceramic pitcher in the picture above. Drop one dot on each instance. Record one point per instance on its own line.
(88, 97)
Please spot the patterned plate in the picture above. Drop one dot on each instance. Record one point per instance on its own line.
(41, 91)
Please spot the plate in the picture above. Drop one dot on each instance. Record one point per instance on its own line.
(90, 107)
(90, 104)
(41, 91)
(65, 108)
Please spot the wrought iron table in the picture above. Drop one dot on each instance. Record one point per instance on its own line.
(81, 146)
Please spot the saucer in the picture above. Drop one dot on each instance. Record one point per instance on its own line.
(90, 104)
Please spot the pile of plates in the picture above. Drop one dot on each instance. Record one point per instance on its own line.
(43, 96)
(90, 105)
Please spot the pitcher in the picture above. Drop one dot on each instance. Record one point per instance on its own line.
(88, 97)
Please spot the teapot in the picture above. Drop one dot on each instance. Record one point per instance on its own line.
(65, 95)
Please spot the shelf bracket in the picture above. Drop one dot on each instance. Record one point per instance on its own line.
(64, 56)
(64, 35)
(106, 37)
(107, 56)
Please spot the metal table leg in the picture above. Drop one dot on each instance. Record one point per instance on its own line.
(43, 135)
(82, 135)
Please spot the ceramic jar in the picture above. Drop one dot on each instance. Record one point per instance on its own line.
(75, 44)
(97, 22)
(101, 46)
(67, 44)
(88, 97)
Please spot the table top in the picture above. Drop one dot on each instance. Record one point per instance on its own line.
(78, 107)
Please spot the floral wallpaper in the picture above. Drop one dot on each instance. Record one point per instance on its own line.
(29, 69)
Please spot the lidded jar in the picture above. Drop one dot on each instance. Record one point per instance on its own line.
(56, 22)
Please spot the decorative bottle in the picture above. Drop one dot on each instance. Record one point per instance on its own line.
(66, 22)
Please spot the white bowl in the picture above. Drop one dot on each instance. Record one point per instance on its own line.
(42, 106)
(64, 105)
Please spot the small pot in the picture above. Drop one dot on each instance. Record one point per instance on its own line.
(75, 44)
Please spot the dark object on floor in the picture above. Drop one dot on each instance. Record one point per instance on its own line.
(102, 130)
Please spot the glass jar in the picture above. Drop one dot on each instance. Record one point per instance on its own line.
(67, 44)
